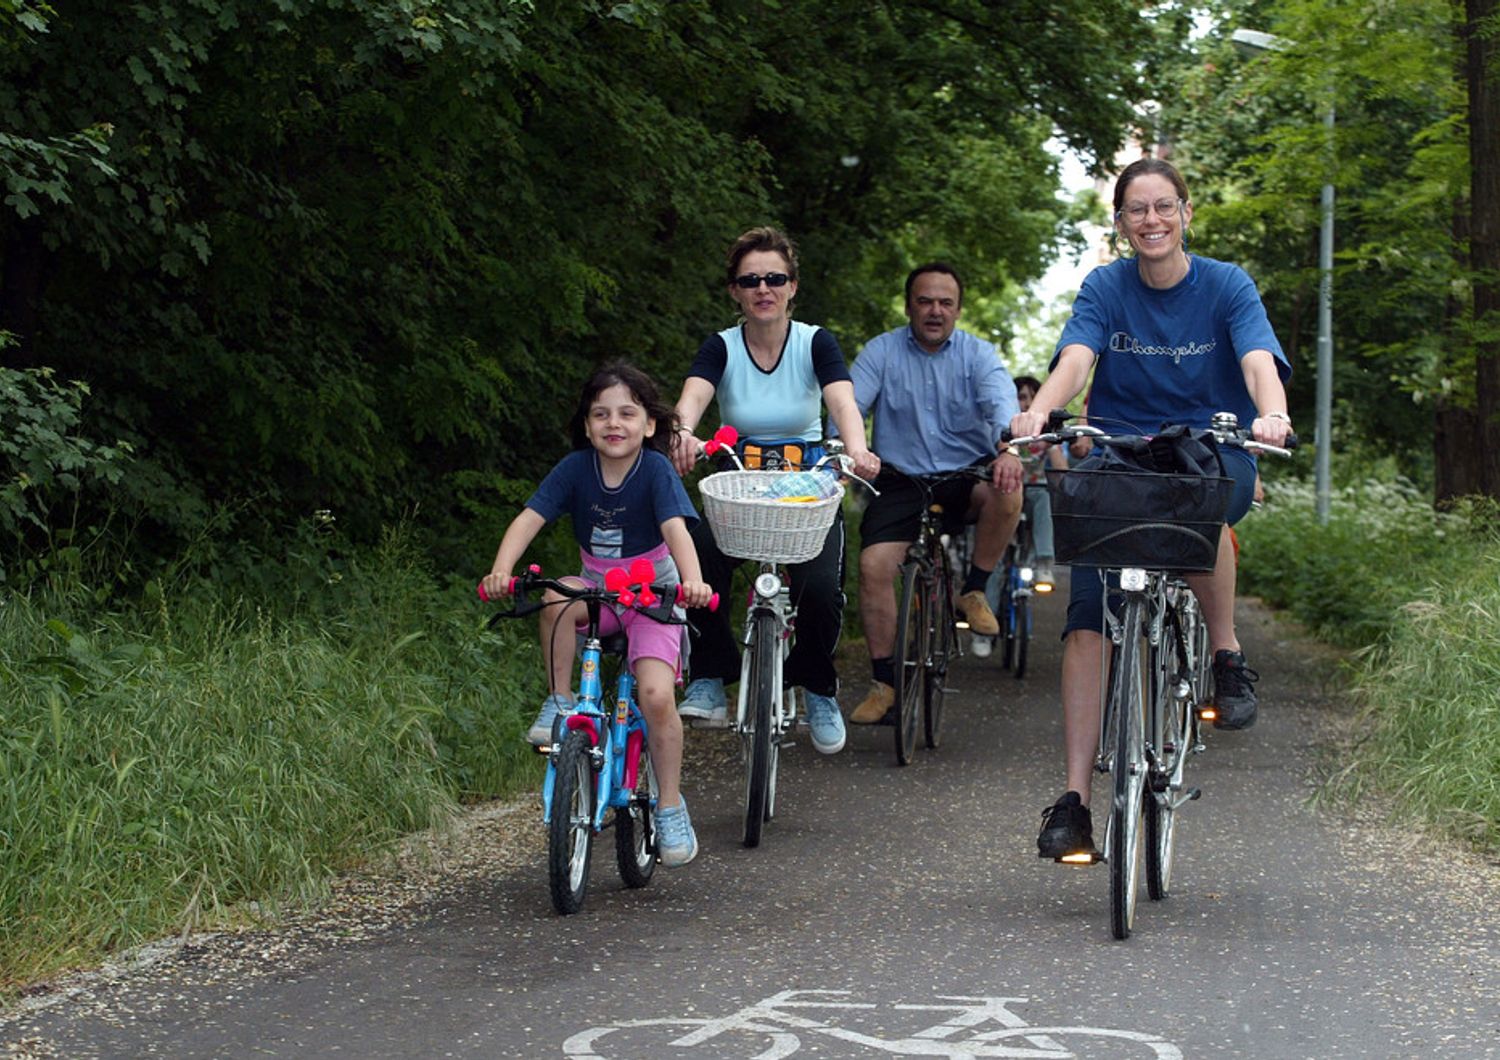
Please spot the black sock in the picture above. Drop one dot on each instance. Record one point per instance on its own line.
(976, 579)
(884, 670)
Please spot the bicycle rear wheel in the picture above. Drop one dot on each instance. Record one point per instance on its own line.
(1006, 611)
(757, 739)
(911, 659)
(570, 830)
(942, 639)
(1175, 736)
(1021, 632)
(1129, 685)
(635, 838)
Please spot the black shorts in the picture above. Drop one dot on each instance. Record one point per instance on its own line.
(896, 515)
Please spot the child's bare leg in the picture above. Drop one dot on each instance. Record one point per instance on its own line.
(555, 624)
(655, 682)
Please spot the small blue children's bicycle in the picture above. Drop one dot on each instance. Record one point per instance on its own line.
(597, 759)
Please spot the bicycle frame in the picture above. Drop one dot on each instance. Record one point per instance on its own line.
(618, 737)
(923, 651)
(598, 755)
(769, 596)
(763, 711)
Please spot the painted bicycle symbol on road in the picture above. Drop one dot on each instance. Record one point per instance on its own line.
(775, 1028)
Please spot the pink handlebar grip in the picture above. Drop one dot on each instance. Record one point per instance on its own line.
(482, 594)
(713, 602)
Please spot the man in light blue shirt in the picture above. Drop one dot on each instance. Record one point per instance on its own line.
(940, 399)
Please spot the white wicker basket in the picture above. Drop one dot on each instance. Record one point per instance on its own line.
(747, 524)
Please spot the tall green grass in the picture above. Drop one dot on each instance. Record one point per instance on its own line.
(162, 763)
(1419, 592)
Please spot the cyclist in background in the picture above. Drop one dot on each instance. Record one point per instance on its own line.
(770, 375)
(940, 399)
(626, 503)
(1036, 507)
(1170, 338)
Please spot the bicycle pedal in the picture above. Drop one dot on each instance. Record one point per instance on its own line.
(1092, 857)
(1194, 793)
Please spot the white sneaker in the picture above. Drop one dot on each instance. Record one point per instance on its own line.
(540, 733)
(705, 703)
(980, 647)
(825, 723)
(676, 842)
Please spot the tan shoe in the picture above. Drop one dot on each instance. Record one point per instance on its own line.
(976, 611)
(880, 698)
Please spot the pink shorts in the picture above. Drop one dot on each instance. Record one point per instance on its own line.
(649, 639)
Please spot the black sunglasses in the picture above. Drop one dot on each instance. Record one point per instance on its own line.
(750, 281)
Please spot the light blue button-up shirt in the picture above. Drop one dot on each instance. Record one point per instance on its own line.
(933, 411)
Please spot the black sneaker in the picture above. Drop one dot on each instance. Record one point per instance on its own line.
(1067, 828)
(1234, 691)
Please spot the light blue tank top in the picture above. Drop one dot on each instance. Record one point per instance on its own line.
(782, 403)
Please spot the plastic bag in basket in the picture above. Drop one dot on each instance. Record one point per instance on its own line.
(801, 486)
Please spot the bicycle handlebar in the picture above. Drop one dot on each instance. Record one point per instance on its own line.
(727, 437)
(1226, 431)
(637, 594)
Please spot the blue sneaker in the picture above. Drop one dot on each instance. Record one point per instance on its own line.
(676, 842)
(540, 732)
(825, 722)
(704, 701)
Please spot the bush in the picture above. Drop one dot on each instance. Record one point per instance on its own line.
(1419, 592)
(166, 761)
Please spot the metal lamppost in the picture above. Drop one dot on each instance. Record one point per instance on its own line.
(1253, 42)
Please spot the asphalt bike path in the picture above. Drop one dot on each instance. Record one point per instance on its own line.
(892, 911)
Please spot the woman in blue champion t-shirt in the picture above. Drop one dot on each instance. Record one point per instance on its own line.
(1170, 338)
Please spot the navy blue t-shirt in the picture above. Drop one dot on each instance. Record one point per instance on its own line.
(614, 523)
(1173, 355)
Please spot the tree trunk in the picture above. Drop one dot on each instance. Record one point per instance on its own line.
(1484, 233)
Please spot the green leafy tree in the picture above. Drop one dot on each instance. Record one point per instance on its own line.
(358, 256)
(1249, 135)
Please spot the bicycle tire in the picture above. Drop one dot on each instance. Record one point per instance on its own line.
(570, 831)
(1022, 634)
(635, 838)
(1175, 737)
(910, 662)
(1128, 685)
(942, 635)
(1007, 609)
(756, 737)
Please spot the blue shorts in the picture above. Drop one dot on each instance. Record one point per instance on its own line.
(1086, 600)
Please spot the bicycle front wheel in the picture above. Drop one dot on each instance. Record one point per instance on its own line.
(1128, 687)
(910, 662)
(942, 639)
(570, 830)
(757, 739)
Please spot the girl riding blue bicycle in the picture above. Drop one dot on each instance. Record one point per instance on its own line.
(627, 504)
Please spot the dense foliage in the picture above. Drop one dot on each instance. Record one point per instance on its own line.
(1418, 592)
(165, 763)
(322, 254)
(1248, 131)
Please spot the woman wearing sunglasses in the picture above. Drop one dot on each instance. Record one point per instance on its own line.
(771, 376)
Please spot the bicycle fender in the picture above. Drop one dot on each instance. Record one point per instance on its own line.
(582, 721)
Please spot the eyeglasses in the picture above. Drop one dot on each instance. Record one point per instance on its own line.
(1166, 209)
(750, 280)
